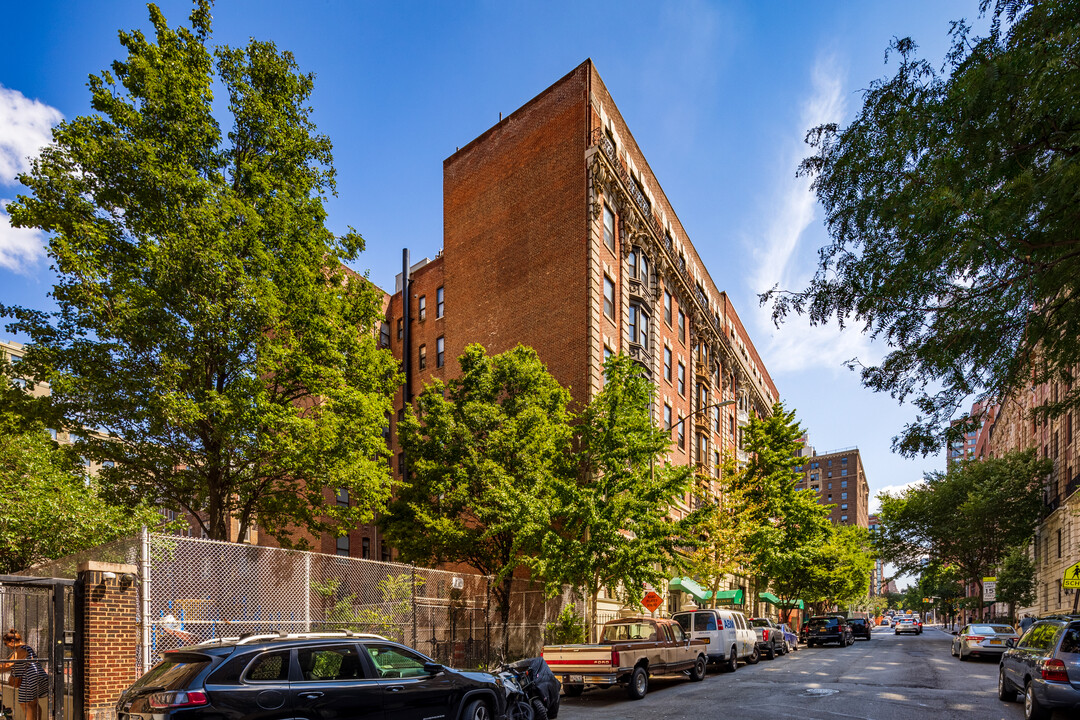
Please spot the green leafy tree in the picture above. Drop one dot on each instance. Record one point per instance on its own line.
(849, 561)
(724, 533)
(208, 340)
(482, 452)
(951, 203)
(1016, 580)
(49, 507)
(968, 517)
(612, 524)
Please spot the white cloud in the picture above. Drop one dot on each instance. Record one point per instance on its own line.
(781, 255)
(25, 127)
(894, 490)
(20, 248)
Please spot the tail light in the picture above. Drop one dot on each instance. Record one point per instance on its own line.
(765, 636)
(178, 699)
(975, 638)
(614, 658)
(1054, 669)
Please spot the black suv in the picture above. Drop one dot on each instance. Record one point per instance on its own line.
(822, 629)
(860, 628)
(308, 676)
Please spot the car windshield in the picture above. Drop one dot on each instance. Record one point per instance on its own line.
(174, 673)
(857, 621)
(759, 622)
(991, 630)
(628, 631)
(822, 622)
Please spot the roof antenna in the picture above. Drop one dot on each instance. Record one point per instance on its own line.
(500, 116)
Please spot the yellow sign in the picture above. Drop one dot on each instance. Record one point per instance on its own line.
(1071, 578)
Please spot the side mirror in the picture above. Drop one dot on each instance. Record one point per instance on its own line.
(954, 632)
(1010, 643)
(433, 668)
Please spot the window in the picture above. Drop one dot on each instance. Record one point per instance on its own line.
(667, 418)
(396, 662)
(843, 461)
(843, 518)
(401, 463)
(680, 433)
(609, 228)
(631, 263)
(843, 472)
(814, 466)
(343, 497)
(1068, 429)
(716, 462)
(324, 664)
(843, 496)
(384, 335)
(667, 363)
(644, 275)
(716, 420)
(384, 551)
(828, 474)
(682, 326)
(843, 483)
(830, 486)
(440, 351)
(271, 667)
(639, 326)
(343, 545)
(667, 308)
(422, 308)
(682, 379)
(843, 506)
(813, 477)
(828, 463)
(423, 356)
(52, 433)
(609, 297)
(400, 326)
(365, 548)
(439, 308)
(607, 353)
(1059, 541)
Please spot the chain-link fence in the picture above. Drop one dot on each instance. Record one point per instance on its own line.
(193, 590)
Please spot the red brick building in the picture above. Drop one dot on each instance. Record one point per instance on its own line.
(839, 479)
(557, 235)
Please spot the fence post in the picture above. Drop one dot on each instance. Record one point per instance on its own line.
(307, 592)
(144, 591)
(56, 651)
(413, 605)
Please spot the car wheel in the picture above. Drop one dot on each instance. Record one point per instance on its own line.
(539, 711)
(754, 657)
(952, 649)
(520, 710)
(733, 662)
(770, 654)
(1033, 710)
(1006, 692)
(697, 673)
(639, 684)
(573, 690)
(477, 710)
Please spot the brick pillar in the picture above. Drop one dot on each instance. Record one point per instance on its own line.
(110, 635)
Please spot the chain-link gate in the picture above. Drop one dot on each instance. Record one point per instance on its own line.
(42, 611)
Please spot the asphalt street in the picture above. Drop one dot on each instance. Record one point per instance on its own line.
(887, 678)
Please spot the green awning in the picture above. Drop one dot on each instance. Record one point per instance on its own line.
(729, 597)
(688, 586)
(794, 604)
(769, 598)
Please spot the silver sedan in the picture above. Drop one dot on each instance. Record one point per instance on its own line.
(982, 639)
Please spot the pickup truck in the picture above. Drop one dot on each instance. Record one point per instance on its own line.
(630, 651)
(770, 639)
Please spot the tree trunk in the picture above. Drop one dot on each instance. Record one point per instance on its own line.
(590, 611)
(502, 594)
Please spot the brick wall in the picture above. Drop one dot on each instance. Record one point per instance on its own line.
(110, 635)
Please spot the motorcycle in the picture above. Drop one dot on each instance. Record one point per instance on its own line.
(532, 690)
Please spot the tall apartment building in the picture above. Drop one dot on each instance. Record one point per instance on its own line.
(877, 579)
(975, 443)
(839, 479)
(1056, 544)
(557, 235)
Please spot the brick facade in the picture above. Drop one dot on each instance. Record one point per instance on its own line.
(840, 480)
(110, 635)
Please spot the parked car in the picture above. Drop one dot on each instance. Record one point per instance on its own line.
(822, 629)
(312, 675)
(629, 652)
(981, 639)
(791, 639)
(860, 627)
(770, 641)
(727, 633)
(907, 625)
(1044, 665)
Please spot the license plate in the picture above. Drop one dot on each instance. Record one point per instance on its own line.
(995, 642)
(705, 639)
(577, 678)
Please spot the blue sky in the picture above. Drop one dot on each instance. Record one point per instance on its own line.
(718, 94)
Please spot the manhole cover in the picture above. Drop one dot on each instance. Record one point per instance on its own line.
(818, 692)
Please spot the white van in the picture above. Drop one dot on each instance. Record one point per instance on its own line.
(729, 635)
